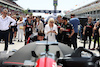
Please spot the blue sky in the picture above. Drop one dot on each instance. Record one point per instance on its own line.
(48, 4)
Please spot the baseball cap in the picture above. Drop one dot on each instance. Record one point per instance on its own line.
(64, 18)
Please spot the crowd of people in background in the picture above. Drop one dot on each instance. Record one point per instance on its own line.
(60, 29)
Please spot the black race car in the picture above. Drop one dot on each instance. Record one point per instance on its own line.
(51, 54)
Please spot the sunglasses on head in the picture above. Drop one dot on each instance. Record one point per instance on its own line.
(29, 18)
(5, 13)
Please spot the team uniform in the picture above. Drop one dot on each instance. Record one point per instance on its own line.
(28, 30)
(88, 32)
(96, 35)
(66, 32)
(59, 36)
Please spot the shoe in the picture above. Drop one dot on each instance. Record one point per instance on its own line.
(5, 50)
(14, 40)
(92, 49)
(11, 43)
(21, 41)
(18, 40)
(97, 48)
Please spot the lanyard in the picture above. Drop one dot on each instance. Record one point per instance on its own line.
(51, 29)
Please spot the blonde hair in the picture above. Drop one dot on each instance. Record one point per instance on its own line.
(51, 19)
(21, 17)
(14, 16)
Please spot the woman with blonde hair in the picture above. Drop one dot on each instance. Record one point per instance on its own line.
(51, 30)
(20, 28)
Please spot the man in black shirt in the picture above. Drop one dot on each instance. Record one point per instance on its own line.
(11, 31)
(87, 31)
(59, 24)
(67, 32)
(38, 37)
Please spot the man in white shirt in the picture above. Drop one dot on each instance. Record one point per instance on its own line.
(4, 26)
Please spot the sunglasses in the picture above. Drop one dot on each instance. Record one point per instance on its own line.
(4, 12)
(51, 22)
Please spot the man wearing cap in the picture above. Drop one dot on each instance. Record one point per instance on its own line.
(67, 32)
(75, 22)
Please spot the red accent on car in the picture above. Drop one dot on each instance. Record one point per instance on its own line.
(13, 63)
(28, 40)
(46, 62)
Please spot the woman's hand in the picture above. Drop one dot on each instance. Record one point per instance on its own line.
(49, 32)
(53, 31)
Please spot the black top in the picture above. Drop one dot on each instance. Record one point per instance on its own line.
(35, 38)
(97, 28)
(15, 26)
(89, 28)
(59, 25)
(68, 28)
(10, 28)
(28, 26)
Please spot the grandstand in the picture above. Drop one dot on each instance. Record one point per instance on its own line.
(92, 9)
(11, 6)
